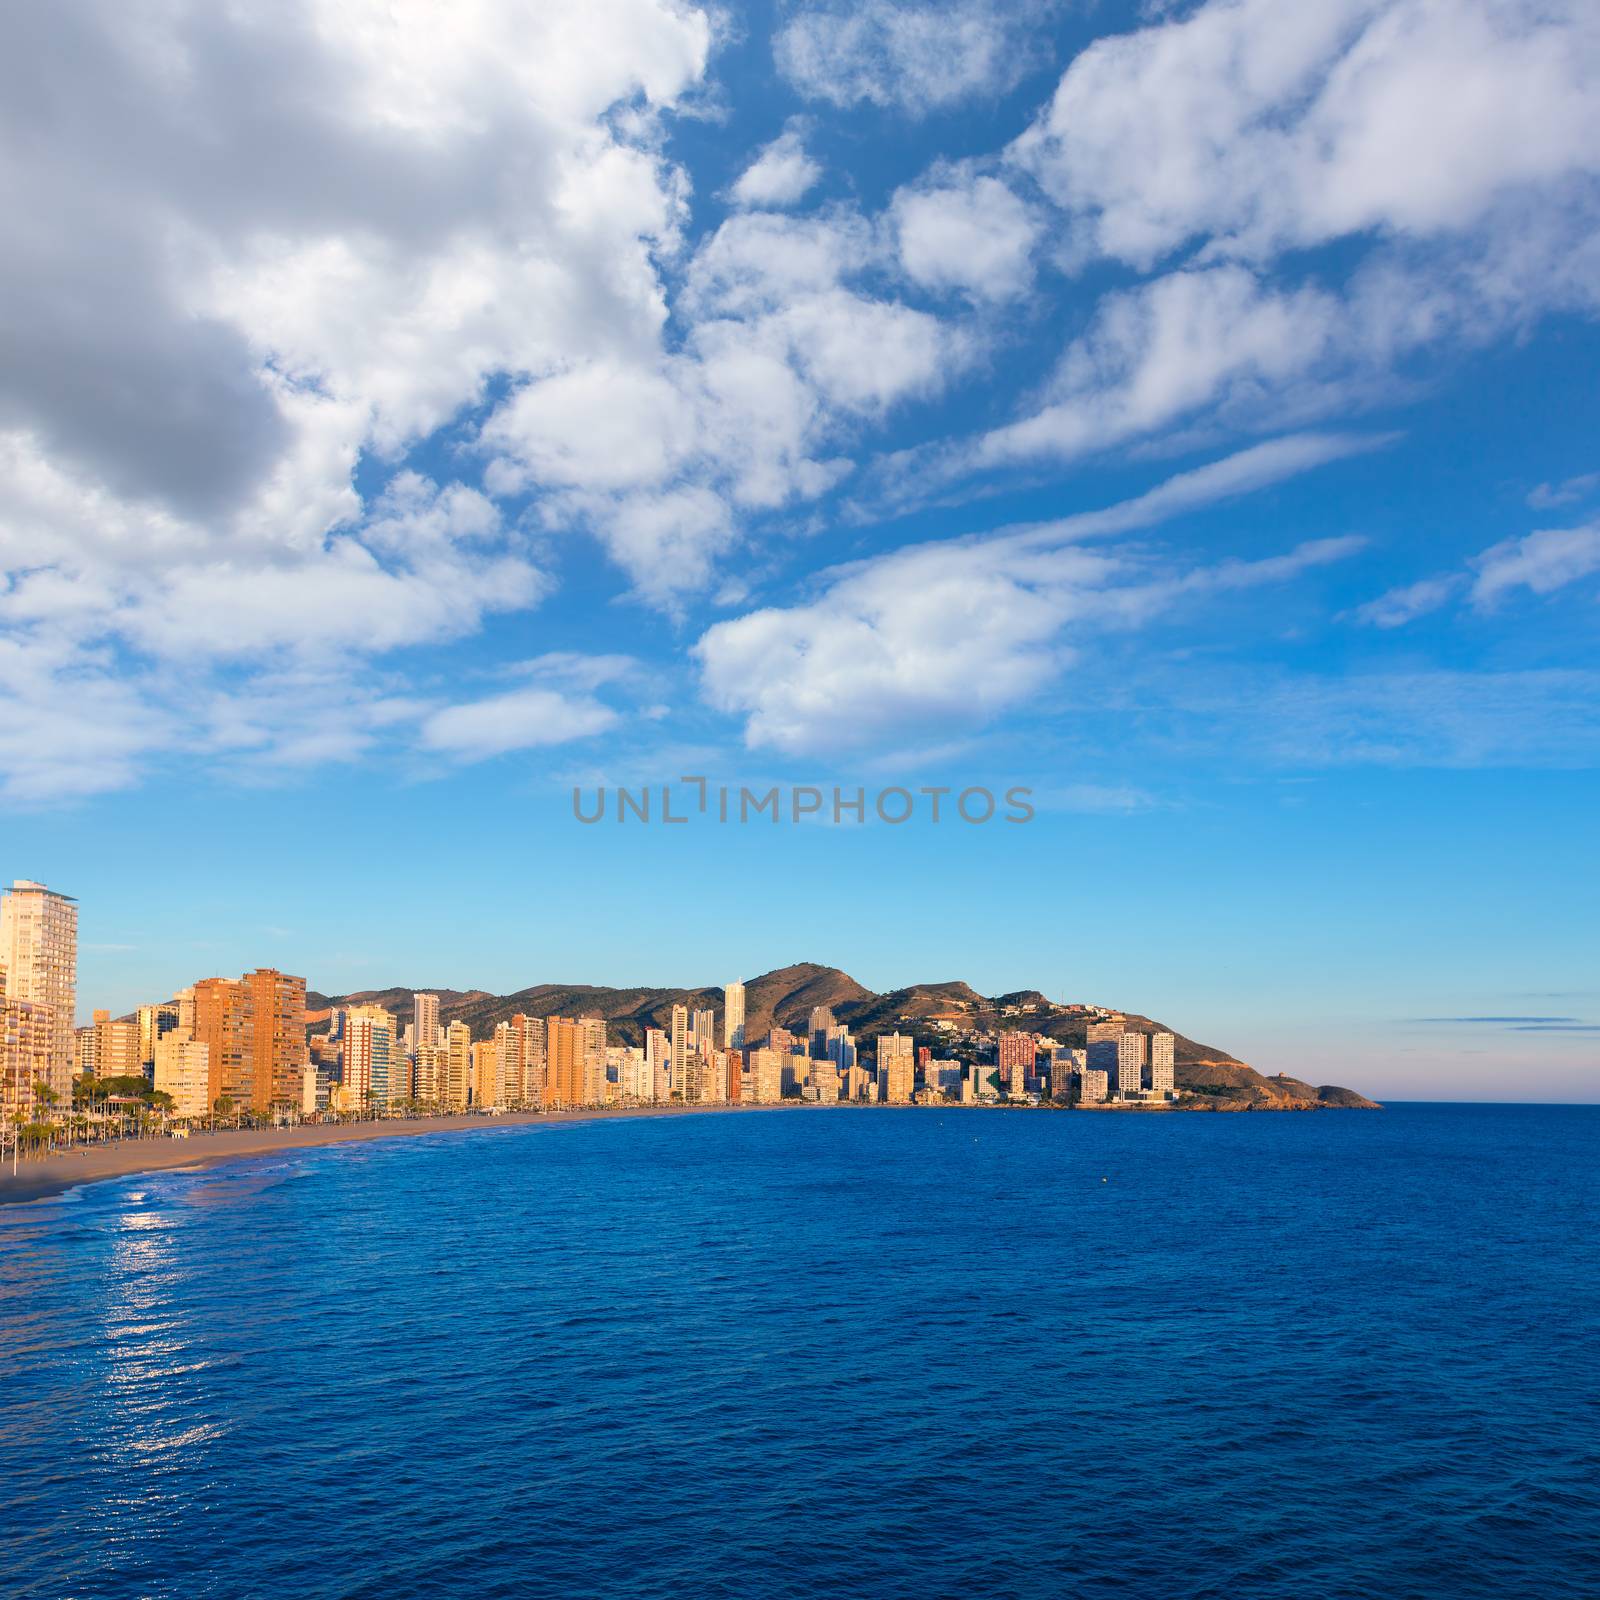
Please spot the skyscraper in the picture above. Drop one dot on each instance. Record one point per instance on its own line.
(896, 1067)
(456, 1085)
(680, 1051)
(766, 1076)
(371, 1059)
(592, 1037)
(733, 1016)
(564, 1061)
(1133, 1050)
(39, 950)
(274, 1037)
(1162, 1057)
(820, 1023)
(27, 1036)
(1015, 1058)
(487, 1088)
(424, 1019)
(657, 1055)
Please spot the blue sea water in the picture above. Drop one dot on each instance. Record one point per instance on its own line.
(822, 1353)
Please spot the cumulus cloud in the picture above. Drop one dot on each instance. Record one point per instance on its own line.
(791, 346)
(1262, 127)
(969, 233)
(912, 58)
(261, 249)
(781, 174)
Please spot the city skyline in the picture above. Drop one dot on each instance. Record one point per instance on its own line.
(264, 1019)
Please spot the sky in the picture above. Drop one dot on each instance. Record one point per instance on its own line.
(410, 415)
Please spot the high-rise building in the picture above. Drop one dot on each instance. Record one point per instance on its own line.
(1066, 1068)
(1095, 1085)
(681, 1052)
(896, 1068)
(657, 1056)
(428, 1072)
(181, 1066)
(424, 1020)
(533, 1061)
(839, 1047)
(592, 1038)
(564, 1054)
(274, 1037)
(1015, 1058)
(733, 1016)
(39, 950)
(107, 1049)
(821, 1021)
(455, 1087)
(1133, 1050)
(487, 1091)
(1163, 1053)
(214, 1012)
(371, 1059)
(153, 1022)
(27, 1037)
(1101, 1056)
(766, 1076)
(508, 1052)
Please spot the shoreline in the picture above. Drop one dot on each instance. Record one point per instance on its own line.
(67, 1170)
(59, 1173)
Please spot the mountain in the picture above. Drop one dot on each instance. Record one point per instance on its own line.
(938, 1014)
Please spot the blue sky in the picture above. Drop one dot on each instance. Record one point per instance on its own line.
(1185, 411)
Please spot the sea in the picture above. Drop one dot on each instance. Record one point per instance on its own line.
(822, 1352)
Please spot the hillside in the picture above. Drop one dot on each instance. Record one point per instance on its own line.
(786, 997)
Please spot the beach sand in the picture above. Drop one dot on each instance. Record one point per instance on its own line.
(53, 1174)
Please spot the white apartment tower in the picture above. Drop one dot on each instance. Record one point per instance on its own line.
(657, 1053)
(1133, 1051)
(680, 1051)
(424, 1020)
(733, 1016)
(1162, 1053)
(39, 950)
(896, 1067)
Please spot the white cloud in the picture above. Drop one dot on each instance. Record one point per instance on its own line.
(945, 636)
(1547, 496)
(914, 58)
(790, 349)
(519, 719)
(781, 175)
(1541, 562)
(1264, 126)
(970, 234)
(386, 207)
(1397, 607)
(1154, 355)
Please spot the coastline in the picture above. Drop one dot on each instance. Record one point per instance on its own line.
(58, 1173)
(65, 1170)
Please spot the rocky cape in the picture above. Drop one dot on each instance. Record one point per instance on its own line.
(1212, 1079)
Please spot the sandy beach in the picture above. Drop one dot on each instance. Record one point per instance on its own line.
(35, 1180)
